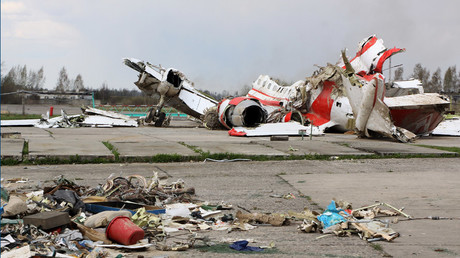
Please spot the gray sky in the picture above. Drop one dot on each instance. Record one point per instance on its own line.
(219, 44)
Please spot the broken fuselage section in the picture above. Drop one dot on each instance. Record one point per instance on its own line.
(172, 88)
(351, 96)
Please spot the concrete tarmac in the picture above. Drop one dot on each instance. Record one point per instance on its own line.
(186, 138)
(425, 186)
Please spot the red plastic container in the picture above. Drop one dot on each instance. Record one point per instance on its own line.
(122, 230)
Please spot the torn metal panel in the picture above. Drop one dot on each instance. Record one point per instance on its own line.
(371, 56)
(266, 89)
(62, 121)
(103, 121)
(370, 111)
(289, 128)
(449, 127)
(22, 122)
(418, 113)
(402, 88)
(95, 111)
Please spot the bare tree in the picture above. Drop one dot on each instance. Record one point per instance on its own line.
(399, 74)
(40, 79)
(78, 83)
(450, 79)
(422, 74)
(435, 84)
(63, 82)
(23, 76)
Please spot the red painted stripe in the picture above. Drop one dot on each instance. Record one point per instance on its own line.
(263, 93)
(320, 110)
(366, 46)
(288, 117)
(267, 102)
(237, 100)
(385, 56)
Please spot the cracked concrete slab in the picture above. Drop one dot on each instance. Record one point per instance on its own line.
(145, 149)
(247, 148)
(12, 148)
(64, 149)
(295, 146)
(423, 189)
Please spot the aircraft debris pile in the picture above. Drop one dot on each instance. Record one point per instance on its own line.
(90, 117)
(340, 219)
(66, 219)
(348, 96)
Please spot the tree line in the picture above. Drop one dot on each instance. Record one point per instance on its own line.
(436, 83)
(21, 78)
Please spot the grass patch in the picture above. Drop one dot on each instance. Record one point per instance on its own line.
(25, 149)
(376, 247)
(10, 162)
(192, 147)
(202, 155)
(225, 249)
(113, 150)
(345, 144)
(451, 149)
(19, 117)
(71, 160)
(446, 251)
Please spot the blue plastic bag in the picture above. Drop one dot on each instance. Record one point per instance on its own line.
(331, 216)
(243, 246)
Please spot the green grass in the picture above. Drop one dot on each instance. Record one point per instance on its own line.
(376, 247)
(451, 149)
(25, 149)
(113, 150)
(20, 116)
(202, 155)
(446, 251)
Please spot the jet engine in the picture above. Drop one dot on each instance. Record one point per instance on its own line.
(241, 111)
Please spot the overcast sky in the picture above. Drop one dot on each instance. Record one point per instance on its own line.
(220, 44)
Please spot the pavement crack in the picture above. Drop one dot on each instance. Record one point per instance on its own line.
(50, 133)
(162, 170)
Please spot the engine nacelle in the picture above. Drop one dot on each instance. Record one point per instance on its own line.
(241, 111)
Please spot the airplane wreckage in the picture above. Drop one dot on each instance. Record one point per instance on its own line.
(350, 95)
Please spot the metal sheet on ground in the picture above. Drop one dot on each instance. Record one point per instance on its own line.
(291, 128)
(449, 127)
